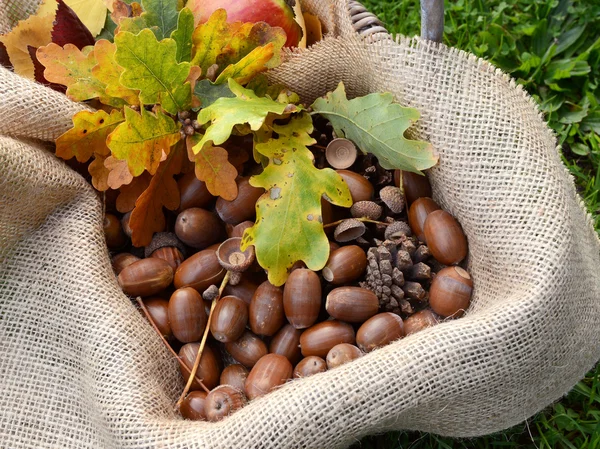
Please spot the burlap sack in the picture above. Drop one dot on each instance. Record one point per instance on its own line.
(81, 368)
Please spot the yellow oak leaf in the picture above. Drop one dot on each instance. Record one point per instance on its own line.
(99, 173)
(108, 72)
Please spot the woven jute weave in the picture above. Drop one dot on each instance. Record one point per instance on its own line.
(81, 368)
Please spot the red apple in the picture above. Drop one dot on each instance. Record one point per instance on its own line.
(276, 13)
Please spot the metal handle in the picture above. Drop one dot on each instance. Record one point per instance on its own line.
(432, 20)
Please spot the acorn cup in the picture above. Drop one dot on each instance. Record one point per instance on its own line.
(233, 259)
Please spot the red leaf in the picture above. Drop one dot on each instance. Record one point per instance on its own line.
(4, 59)
(38, 72)
(68, 29)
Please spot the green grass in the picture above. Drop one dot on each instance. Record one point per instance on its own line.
(552, 48)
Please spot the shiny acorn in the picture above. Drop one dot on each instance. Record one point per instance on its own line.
(286, 342)
(265, 314)
(360, 187)
(242, 208)
(269, 372)
(418, 212)
(345, 265)
(193, 192)
(342, 353)
(198, 227)
(247, 349)
(158, 309)
(146, 277)
(235, 375)
(352, 304)
(187, 315)
(379, 331)
(193, 406)
(302, 298)
(199, 271)
(450, 292)
(122, 260)
(308, 366)
(420, 320)
(209, 369)
(229, 319)
(222, 402)
(445, 238)
(415, 186)
(320, 338)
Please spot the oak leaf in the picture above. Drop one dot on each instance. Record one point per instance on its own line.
(183, 35)
(119, 174)
(376, 125)
(289, 225)
(159, 16)
(213, 167)
(99, 172)
(142, 139)
(88, 135)
(108, 72)
(129, 194)
(152, 68)
(148, 217)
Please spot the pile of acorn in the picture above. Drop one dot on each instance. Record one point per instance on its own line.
(392, 271)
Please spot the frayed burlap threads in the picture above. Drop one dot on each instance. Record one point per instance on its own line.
(80, 368)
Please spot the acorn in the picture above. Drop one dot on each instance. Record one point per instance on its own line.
(158, 309)
(235, 375)
(302, 298)
(223, 401)
(345, 265)
(187, 315)
(286, 342)
(366, 209)
(340, 153)
(115, 237)
(414, 185)
(199, 271)
(242, 208)
(269, 372)
(320, 338)
(122, 260)
(247, 349)
(244, 289)
(146, 277)
(418, 213)
(193, 192)
(233, 259)
(198, 228)
(208, 369)
(229, 320)
(125, 224)
(379, 331)
(349, 230)
(342, 353)
(352, 304)
(266, 314)
(420, 320)
(393, 198)
(450, 292)
(308, 366)
(397, 230)
(239, 229)
(445, 238)
(360, 187)
(193, 406)
(166, 246)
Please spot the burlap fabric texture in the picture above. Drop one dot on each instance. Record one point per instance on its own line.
(80, 367)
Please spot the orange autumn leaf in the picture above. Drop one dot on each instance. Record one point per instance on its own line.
(108, 72)
(99, 172)
(119, 173)
(148, 217)
(213, 167)
(129, 193)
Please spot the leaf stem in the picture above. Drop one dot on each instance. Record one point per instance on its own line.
(363, 219)
(203, 342)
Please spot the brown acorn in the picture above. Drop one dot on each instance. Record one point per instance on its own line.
(199, 271)
(242, 208)
(450, 292)
(122, 260)
(125, 224)
(445, 238)
(235, 375)
(239, 229)
(187, 315)
(308, 366)
(113, 232)
(379, 331)
(265, 314)
(146, 277)
(229, 319)
(222, 402)
(193, 406)
(247, 349)
(345, 265)
(166, 246)
(360, 187)
(158, 309)
(286, 342)
(415, 186)
(418, 321)
(320, 338)
(269, 372)
(342, 353)
(208, 369)
(198, 228)
(302, 298)
(193, 192)
(244, 289)
(418, 213)
(352, 304)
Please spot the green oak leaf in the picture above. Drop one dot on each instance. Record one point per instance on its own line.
(245, 107)
(183, 35)
(288, 225)
(376, 125)
(209, 92)
(160, 16)
(151, 67)
(142, 139)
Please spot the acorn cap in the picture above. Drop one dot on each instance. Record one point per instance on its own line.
(210, 293)
(162, 240)
(348, 230)
(367, 209)
(396, 230)
(340, 153)
(393, 198)
(232, 258)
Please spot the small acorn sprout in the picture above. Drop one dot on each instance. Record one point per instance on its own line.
(340, 153)
(348, 230)
(393, 198)
(233, 259)
(366, 209)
